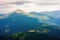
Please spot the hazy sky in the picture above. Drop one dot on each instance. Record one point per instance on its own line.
(29, 5)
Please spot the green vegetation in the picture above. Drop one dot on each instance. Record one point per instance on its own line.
(41, 33)
(29, 36)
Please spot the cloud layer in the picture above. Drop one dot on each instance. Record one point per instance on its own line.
(29, 5)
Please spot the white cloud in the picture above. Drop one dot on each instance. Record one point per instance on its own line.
(34, 1)
(33, 5)
(28, 7)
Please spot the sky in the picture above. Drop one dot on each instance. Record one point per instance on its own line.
(7, 6)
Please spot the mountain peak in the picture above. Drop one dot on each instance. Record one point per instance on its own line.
(19, 11)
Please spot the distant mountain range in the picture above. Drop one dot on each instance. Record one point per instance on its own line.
(54, 16)
(20, 21)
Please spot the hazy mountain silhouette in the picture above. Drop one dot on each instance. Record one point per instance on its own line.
(18, 21)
